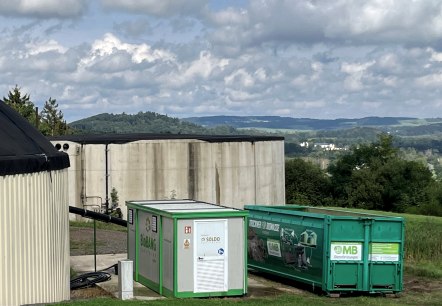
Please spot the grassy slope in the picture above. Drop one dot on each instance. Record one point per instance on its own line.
(423, 245)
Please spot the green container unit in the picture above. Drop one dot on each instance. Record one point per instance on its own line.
(337, 251)
(186, 248)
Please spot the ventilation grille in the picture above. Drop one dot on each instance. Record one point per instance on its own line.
(210, 276)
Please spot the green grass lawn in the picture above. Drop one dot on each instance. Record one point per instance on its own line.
(423, 260)
(286, 299)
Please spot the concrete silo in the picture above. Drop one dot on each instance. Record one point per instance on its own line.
(34, 222)
(228, 170)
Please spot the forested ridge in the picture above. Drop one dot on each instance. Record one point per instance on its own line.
(143, 122)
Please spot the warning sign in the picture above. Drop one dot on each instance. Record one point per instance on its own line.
(187, 230)
(186, 244)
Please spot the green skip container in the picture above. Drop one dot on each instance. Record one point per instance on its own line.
(338, 251)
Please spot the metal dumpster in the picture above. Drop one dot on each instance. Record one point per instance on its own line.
(186, 248)
(337, 251)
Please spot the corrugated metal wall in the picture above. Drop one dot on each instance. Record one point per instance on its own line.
(34, 238)
(227, 173)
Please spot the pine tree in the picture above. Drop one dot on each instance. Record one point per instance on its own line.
(22, 104)
(52, 119)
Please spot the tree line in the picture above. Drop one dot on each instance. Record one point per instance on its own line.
(369, 176)
(142, 122)
(49, 121)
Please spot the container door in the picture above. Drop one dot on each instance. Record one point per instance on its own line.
(211, 265)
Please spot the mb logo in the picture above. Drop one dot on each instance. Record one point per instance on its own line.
(350, 250)
(346, 249)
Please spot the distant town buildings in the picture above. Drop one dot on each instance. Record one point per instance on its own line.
(321, 145)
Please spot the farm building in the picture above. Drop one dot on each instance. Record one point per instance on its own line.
(34, 222)
(226, 170)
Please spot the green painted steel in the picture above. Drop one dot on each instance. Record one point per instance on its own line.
(338, 251)
(174, 217)
(175, 257)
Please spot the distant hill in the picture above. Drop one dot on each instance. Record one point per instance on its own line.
(150, 122)
(276, 122)
(143, 122)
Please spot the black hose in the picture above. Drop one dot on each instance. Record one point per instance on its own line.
(97, 216)
(114, 266)
(89, 279)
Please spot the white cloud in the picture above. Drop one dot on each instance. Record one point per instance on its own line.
(390, 81)
(240, 96)
(44, 8)
(158, 8)
(309, 104)
(334, 22)
(261, 74)
(435, 56)
(110, 44)
(320, 59)
(239, 78)
(204, 66)
(45, 46)
(389, 61)
(356, 72)
(430, 80)
(229, 17)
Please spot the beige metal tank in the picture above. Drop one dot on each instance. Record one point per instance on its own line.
(34, 210)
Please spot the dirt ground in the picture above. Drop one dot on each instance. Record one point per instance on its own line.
(108, 241)
(89, 293)
(115, 242)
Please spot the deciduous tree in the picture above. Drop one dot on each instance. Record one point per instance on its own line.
(374, 176)
(306, 183)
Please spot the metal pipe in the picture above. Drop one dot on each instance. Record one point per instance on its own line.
(107, 178)
(95, 245)
(97, 216)
(83, 194)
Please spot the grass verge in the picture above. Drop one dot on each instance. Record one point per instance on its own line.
(99, 224)
(286, 299)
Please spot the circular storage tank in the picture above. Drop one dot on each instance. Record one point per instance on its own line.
(226, 170)
(34, 210)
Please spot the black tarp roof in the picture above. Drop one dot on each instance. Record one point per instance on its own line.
(23, 149)
(125, 138)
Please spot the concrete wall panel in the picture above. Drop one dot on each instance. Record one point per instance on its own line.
(227, 173)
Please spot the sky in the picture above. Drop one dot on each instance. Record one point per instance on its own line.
(301, 58)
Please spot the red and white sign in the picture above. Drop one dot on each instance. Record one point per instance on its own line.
(187, 230)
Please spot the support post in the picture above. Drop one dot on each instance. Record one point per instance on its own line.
(125, 280)
(95, 245)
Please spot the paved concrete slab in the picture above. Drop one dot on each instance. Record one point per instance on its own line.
(257, 285)
(86, 263)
